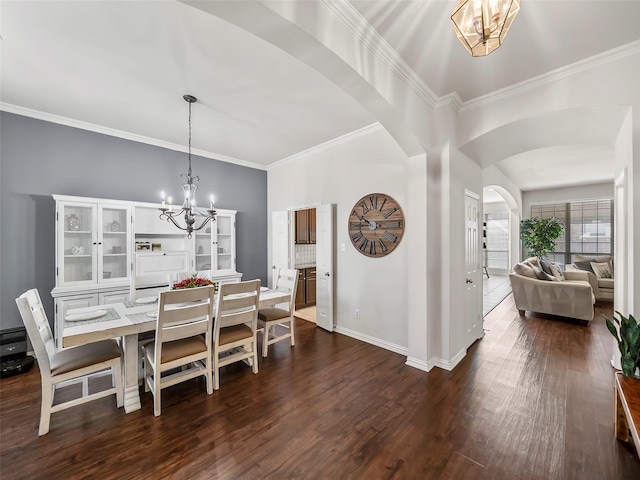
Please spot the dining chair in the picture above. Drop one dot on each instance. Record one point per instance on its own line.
(272, 319)
(76, 363)
(235, 326)
(181, 349)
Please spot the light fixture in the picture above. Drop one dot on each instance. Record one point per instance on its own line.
(189, 209)
(482, 25)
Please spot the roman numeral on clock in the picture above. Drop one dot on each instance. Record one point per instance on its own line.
(390, 212)
(363, 244)
(356, 236)
(353, 226)
(365, 209)
(374, 202)
(383, 202)
(390, 236)
(372, 248)
(382, 245)
(392, 224)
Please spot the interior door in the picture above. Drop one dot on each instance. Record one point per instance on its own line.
(473, 270)
(279, 241)
(324, 266)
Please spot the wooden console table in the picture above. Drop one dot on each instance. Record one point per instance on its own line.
(627, 408)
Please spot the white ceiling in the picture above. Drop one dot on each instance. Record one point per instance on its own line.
(124, 66)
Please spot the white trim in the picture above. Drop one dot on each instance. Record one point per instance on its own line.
(329, 143)
(419, 364)
(372, 340)
(469, 193)
(555, 75)
(91, 127)
(448, 365)
(369, 37)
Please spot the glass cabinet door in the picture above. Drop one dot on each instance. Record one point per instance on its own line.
(114, 243)
(77, 239)
(225, 243)
(203, 242)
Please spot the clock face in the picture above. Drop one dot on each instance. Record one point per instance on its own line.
(376, 225)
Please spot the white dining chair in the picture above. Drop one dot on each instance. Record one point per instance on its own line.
(278, 324)
(235, 326)
(181, 349)
(66, 364)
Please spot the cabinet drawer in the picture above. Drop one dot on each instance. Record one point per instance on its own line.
(164, 262)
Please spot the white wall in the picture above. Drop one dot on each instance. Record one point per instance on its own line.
(342, 173)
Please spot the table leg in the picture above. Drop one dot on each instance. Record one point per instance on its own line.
(622, 427)
(131, 392)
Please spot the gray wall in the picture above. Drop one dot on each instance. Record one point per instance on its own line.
(38, 159)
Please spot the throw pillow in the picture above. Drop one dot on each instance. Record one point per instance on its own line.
(557, 273)
(533, 261)
(584, 265)
(524, 270)
(602, 270)
(546, 266)
(542, 275)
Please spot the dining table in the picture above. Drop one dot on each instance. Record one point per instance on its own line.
(127, 320)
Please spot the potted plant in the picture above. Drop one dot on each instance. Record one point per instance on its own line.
(539, 235)
(627, 334)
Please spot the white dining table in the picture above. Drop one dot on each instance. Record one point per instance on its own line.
(127, 321)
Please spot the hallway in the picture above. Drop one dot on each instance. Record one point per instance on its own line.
(494, 290)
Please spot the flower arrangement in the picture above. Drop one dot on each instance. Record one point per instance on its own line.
(194, 282)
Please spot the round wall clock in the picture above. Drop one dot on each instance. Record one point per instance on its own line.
(376, 225)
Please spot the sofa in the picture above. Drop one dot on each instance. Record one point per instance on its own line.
(566, 294)
(601, 279)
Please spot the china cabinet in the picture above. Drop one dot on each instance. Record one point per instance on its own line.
(93, 242)
(215, 247)
(101, 245)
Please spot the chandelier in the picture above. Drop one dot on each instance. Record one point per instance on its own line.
(482, 25)
(189, 210)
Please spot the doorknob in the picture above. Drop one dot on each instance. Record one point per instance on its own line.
(469, 280)
(273, 267)
(327, 274)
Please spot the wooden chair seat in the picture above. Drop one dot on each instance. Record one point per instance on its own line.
(233, 334)
(177, 349)
(272, 313)
(70, 359)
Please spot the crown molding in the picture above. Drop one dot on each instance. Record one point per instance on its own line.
(555, 75)
(91, 127)
(329, 143)
(378, 46)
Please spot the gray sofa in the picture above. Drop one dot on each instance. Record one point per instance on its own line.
(602, 287)
(572, 297)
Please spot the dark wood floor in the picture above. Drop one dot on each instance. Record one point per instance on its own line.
(532, 400)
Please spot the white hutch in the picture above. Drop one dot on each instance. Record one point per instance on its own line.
(102, 245)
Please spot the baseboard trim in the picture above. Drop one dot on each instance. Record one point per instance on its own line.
(419, 364)
(448, 365)
(372, 340)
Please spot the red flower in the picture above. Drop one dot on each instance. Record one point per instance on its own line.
(194, 282)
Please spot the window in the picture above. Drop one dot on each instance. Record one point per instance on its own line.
(588, 228)
(496, 241)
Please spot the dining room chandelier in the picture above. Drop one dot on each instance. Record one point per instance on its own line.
(482, 25)
(185, 218)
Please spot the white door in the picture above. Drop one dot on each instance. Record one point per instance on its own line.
(473, 270)
(324, 266)
(279, 241)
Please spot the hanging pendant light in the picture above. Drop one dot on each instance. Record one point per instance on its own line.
(189, 211)
(482, 25)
